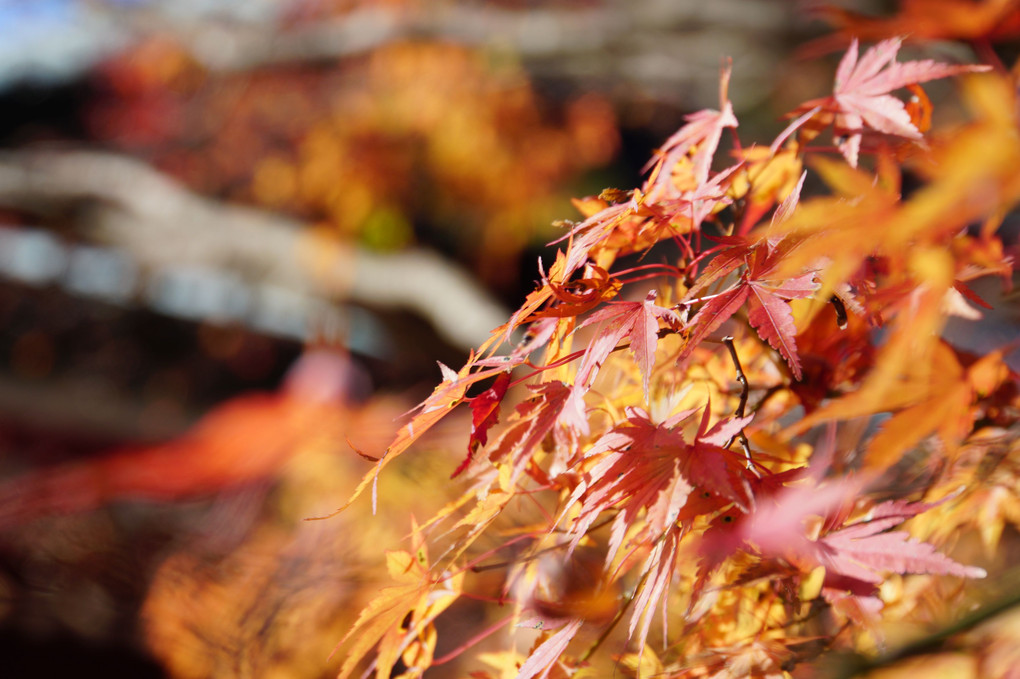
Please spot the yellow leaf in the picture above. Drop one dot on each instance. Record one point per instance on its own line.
(643, 664)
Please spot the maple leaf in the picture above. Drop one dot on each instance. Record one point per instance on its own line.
(710, 316)
(767, 176)
(768, 301)
(637, 320)
(864, 551)
(484, 414)
(578, 296)
(644, 467)
(856, 556)
(687, 211)
(400, 618)
(701, 134)
(444, 398)
(890, 261)
(541, 661)
(637, 467)
(936, 400)
(770, 315)
(588, 235)
(533, 420)
(539, 334)
(861, 96)
(659, 199)
(657, 572)
(861, 551)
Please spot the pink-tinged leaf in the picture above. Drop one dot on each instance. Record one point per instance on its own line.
(660, 565)
(643, 467)
(883, 113)
(856, 557)
(719, 471)
(776, 527)
(702, 132)
(537, 336)
(772, 318)
(545, 656)
(857, 553)
(484, 414)
(723, 264)
(724, 430)
(444, 398)
(696, 205)
(533, 420)
(846, 65)
(901, 510)
(862, 609)
(665, 508)
(799, 287)
(713, 314)
(793, 127)
(574, 415)
(638, 321)
(448, 374)
(593, 231)
(878, 72)
(861, 95)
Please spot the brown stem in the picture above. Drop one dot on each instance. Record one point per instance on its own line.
(744, 390)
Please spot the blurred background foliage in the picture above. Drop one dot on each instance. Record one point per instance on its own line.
(167, 426)
(415, 141)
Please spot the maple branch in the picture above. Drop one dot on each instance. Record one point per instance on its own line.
(728, 341)
(538, 369)
(163, 227)
(535, 555)
(855, 665)
(611, 625)
(744, 390)
(473, 641)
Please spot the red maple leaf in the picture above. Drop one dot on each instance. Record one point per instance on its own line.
(532, 421)
(484, 414)
(649, 474)
(767, 299)
(659, 199)
(638, 321)
(447, 395)
(644, 467)
(770, 315)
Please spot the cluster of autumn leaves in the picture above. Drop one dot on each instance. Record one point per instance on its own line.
(723, 397)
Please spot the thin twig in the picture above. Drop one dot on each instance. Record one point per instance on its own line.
(532, 557)
(856, 665)
(744, 390)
